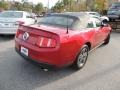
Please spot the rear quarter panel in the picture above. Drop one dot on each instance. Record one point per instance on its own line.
(72, 43)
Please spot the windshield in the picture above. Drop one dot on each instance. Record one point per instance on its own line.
(11, 14)
(112, 11)
(56, 20)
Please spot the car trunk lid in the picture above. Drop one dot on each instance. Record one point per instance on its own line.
(37, 34)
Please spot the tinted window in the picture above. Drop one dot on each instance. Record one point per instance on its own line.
(11, 14)
(90, 25)
(58, 21)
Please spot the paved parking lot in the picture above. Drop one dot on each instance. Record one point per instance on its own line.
(102, 71)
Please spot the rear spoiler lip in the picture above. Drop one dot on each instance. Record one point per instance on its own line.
(50, 34)
(29, 26)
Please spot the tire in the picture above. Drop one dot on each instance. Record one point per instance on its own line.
(81, 58)
(107, 40)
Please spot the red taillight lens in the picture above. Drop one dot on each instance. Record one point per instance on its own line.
(17, 33)
(46, 42)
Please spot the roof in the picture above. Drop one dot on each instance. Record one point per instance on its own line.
(72, 14)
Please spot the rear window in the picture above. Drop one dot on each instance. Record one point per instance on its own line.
(57, 20)
(11, 14)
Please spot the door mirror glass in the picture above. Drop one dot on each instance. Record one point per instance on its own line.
(90, 25)
(104, 23)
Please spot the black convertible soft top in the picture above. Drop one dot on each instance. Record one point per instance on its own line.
(77, 15)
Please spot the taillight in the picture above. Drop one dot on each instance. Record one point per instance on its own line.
(46, 42)
(17, 33)
(19, 23)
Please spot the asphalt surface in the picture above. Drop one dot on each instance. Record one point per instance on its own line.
(101, 72)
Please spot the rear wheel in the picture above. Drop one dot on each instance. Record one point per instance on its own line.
(81, 58)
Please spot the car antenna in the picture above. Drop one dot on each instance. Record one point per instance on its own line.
(67, 25)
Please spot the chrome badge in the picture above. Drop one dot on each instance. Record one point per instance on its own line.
(25, 36)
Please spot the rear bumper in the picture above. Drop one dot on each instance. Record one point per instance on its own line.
(8, 31)
(41, 64)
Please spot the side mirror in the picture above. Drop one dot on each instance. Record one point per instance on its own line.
(104, 23)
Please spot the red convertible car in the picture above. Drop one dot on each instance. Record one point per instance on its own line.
(61, 39)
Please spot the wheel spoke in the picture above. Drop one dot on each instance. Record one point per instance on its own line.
(84, 54)
(82, 57)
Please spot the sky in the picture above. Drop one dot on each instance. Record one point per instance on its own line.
(44, 2)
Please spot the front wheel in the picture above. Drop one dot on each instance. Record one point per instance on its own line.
(81, 58)
(107, 40)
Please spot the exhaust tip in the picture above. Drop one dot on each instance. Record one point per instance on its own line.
(44, 69)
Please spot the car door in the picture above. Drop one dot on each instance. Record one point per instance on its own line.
(99, 32)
